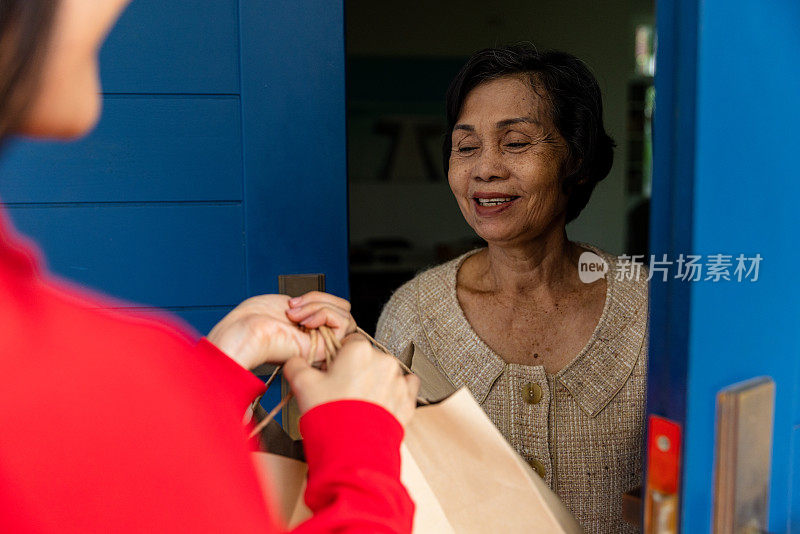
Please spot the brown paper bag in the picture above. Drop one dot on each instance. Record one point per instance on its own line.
(434, 385)
(285, 479)
(460, 472)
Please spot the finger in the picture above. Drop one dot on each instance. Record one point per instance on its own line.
(406, 400)
(298, 372)
(389, 363)
(356, 353)
(355, 337)
(271, 342)
(413, 382)
(339, 320)
(340, 325)
(314, 296)
(298, 315)
(306, 309)
(319, 296)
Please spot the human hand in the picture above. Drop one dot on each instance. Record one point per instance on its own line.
(315, 309)
(358, 372)
(258, 331)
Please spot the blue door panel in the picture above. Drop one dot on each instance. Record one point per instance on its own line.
(145, 148)
(294, 141)
(176, 46)
(726, 123)
(168, 255)
(746, 192)
(197, 189)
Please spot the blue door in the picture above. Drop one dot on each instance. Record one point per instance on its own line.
(726, 181)
(219, 162)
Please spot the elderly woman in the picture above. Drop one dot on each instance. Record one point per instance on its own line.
(559, 365)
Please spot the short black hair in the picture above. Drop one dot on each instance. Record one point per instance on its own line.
(576, 108)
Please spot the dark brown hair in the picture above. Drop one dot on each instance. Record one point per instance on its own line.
(576, 107)
(25, 28)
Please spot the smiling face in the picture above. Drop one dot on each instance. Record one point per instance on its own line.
(506, 163)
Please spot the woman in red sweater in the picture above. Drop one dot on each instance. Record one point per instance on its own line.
(110, 422)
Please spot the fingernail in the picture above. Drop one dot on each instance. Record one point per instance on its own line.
(294, 301)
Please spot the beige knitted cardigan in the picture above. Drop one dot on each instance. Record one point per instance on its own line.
(584, 435)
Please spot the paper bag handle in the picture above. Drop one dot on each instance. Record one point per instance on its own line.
(332, 346)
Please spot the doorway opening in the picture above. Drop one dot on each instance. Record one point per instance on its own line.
(400, 60)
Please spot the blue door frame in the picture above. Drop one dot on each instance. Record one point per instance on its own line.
(726, 181)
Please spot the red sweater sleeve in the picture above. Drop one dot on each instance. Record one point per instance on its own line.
(243, 385)
(353, 454)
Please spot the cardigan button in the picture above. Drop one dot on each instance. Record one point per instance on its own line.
(532, 393)
(538, 467)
